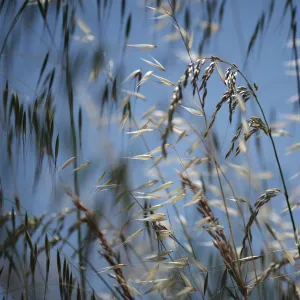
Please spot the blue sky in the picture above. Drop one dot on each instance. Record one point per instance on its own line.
(104, 145)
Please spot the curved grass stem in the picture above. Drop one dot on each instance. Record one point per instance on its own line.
(274, 150)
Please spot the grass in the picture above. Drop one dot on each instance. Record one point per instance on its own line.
(202, 226)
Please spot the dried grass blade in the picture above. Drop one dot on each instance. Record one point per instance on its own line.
(145, 78)
(83, 26)
(198, 264)
(149, 111)
(175, 199)
(289, 257)
(250, 258)
(159, 217)
(158, 149)
(183, 134)
(142, 46)
(81, 167)
(164, 81)
(141, 157)
(185, 291)
(176, 264)
(134, 290)
(146, 185)
(67, 163)
(148, 196)
(133, 74)
(292, 148)
(152, 272)
(124, 226)
(163, 186)
(157, 64)
(155, 207)
(140, 131)
(195, 199)
(193, 111)
(99, 179)
(135, 94)
(118, 266)
(127, 207)
(133, 236)
(186, 280)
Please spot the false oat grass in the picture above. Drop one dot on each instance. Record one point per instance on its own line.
(154, 247)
